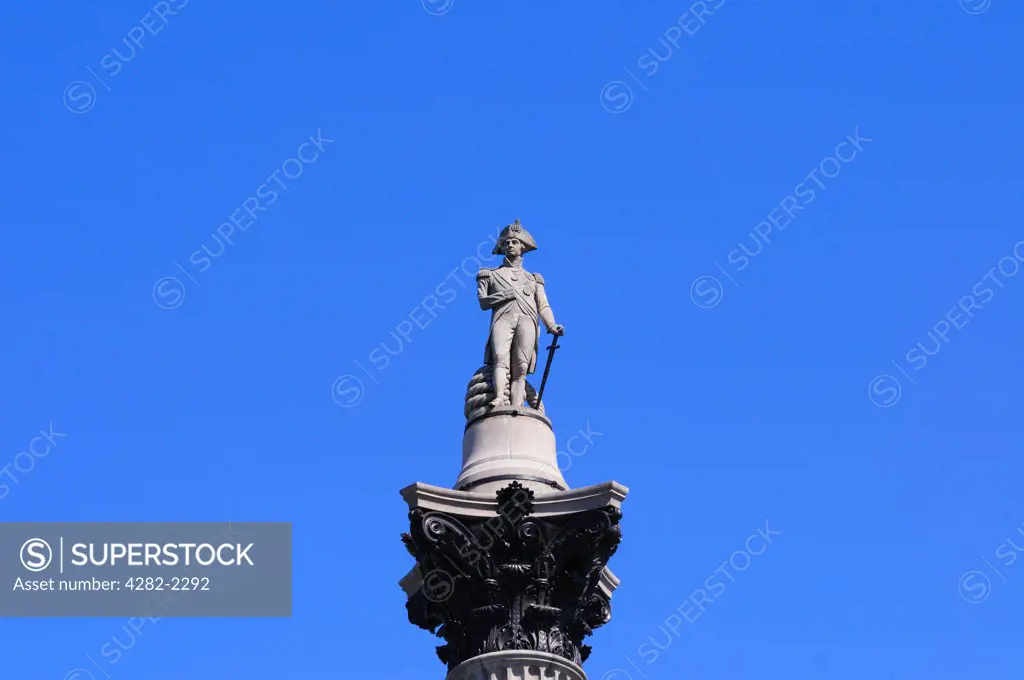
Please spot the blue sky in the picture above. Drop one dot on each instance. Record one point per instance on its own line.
(645, 148)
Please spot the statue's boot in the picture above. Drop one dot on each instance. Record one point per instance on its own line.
(500, 385)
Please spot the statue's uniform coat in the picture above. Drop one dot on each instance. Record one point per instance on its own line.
(519, 315)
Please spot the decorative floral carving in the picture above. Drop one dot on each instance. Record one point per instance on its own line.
(511, 581)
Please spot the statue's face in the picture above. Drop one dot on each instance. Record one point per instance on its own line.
(513, 247)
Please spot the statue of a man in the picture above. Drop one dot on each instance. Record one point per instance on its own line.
(517, 300)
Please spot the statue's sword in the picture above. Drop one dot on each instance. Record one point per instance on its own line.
(547, 368)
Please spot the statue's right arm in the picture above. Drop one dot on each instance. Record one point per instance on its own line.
(483, 286)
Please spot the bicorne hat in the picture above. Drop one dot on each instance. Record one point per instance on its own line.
(514, 230)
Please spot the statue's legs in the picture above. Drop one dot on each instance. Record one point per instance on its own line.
(501, 344)
(524, 344)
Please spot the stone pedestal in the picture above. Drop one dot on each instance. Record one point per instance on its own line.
(511, 573)
(517, 665)
(509, 443)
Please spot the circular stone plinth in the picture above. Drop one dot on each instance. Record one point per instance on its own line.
(517, 664)
(515, 411)
(509, 443)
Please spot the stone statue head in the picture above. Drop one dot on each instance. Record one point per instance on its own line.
(514, 232)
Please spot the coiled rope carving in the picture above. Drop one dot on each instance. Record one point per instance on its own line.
(480, 393)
